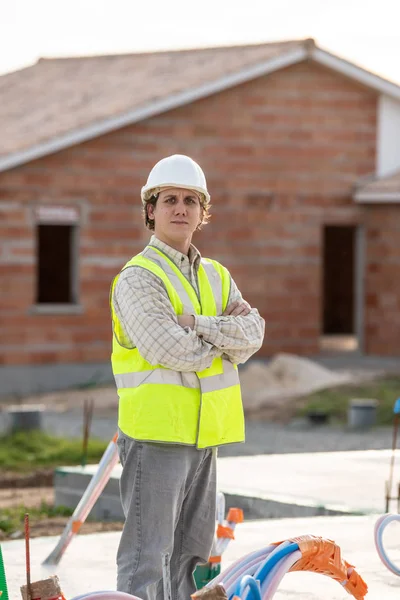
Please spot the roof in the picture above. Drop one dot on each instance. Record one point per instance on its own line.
(381, 189)
(58, 103)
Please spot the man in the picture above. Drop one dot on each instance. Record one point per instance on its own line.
(180, 328)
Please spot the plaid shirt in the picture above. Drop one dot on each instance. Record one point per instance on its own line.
(146, 314)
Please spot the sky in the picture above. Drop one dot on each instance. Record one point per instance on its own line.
(366, 32)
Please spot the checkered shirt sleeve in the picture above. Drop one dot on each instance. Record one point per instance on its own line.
(144, 309)
(237, 337)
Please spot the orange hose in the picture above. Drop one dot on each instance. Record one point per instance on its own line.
(324, 556)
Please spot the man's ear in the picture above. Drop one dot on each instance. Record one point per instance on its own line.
(150, 212)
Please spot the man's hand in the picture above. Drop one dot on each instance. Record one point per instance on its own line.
(237, 309)
(186, 321)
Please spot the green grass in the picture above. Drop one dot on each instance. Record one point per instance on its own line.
(334, 402)
(26, 451)
(12, 519)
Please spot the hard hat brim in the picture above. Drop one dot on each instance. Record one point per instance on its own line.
(146, 190)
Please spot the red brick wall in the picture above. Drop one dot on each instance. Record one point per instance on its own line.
(382, 293)
(281, 155)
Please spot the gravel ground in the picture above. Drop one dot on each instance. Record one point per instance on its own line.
(261, 437)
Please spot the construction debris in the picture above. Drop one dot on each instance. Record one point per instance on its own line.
(215, 592)
(46, 589)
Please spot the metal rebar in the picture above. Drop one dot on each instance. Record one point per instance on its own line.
(394, 444)
(27, 558)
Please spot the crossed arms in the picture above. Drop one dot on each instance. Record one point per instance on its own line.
(187, 342)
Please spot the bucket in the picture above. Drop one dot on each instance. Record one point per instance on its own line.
(362, 413)
(25, 417)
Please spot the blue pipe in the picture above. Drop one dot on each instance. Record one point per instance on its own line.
(257, 572)
(249, 581)
(275, 556)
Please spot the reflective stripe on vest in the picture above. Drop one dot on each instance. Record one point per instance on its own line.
(165, 264)
(184, 288)
(216, 284)
(190, 380)
(159, 404)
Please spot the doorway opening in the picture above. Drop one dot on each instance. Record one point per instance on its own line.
(339, 327)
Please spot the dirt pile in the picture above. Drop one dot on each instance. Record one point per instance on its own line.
(286, 376)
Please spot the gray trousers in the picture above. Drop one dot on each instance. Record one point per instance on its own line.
(168, 494)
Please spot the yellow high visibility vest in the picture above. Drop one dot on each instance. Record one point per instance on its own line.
(162, 405)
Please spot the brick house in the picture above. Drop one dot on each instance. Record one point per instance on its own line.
(300, 149)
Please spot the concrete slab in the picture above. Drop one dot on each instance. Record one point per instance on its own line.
(348, 482)
(269, 486)
(71, 482)
(89, 563)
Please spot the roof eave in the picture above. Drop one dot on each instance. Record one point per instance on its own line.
(364, 197)
(157, 107)
(356, 73)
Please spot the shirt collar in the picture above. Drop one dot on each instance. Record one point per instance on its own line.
(177, 257)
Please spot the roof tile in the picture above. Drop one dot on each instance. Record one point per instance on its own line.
(58, 96)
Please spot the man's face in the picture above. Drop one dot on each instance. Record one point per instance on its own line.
(176, 214)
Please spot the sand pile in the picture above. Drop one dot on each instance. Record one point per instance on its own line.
(285, 376)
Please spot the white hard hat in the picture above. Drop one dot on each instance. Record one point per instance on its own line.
(175, 171)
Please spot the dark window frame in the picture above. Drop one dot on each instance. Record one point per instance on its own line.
(72, 221)
(55, 263)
